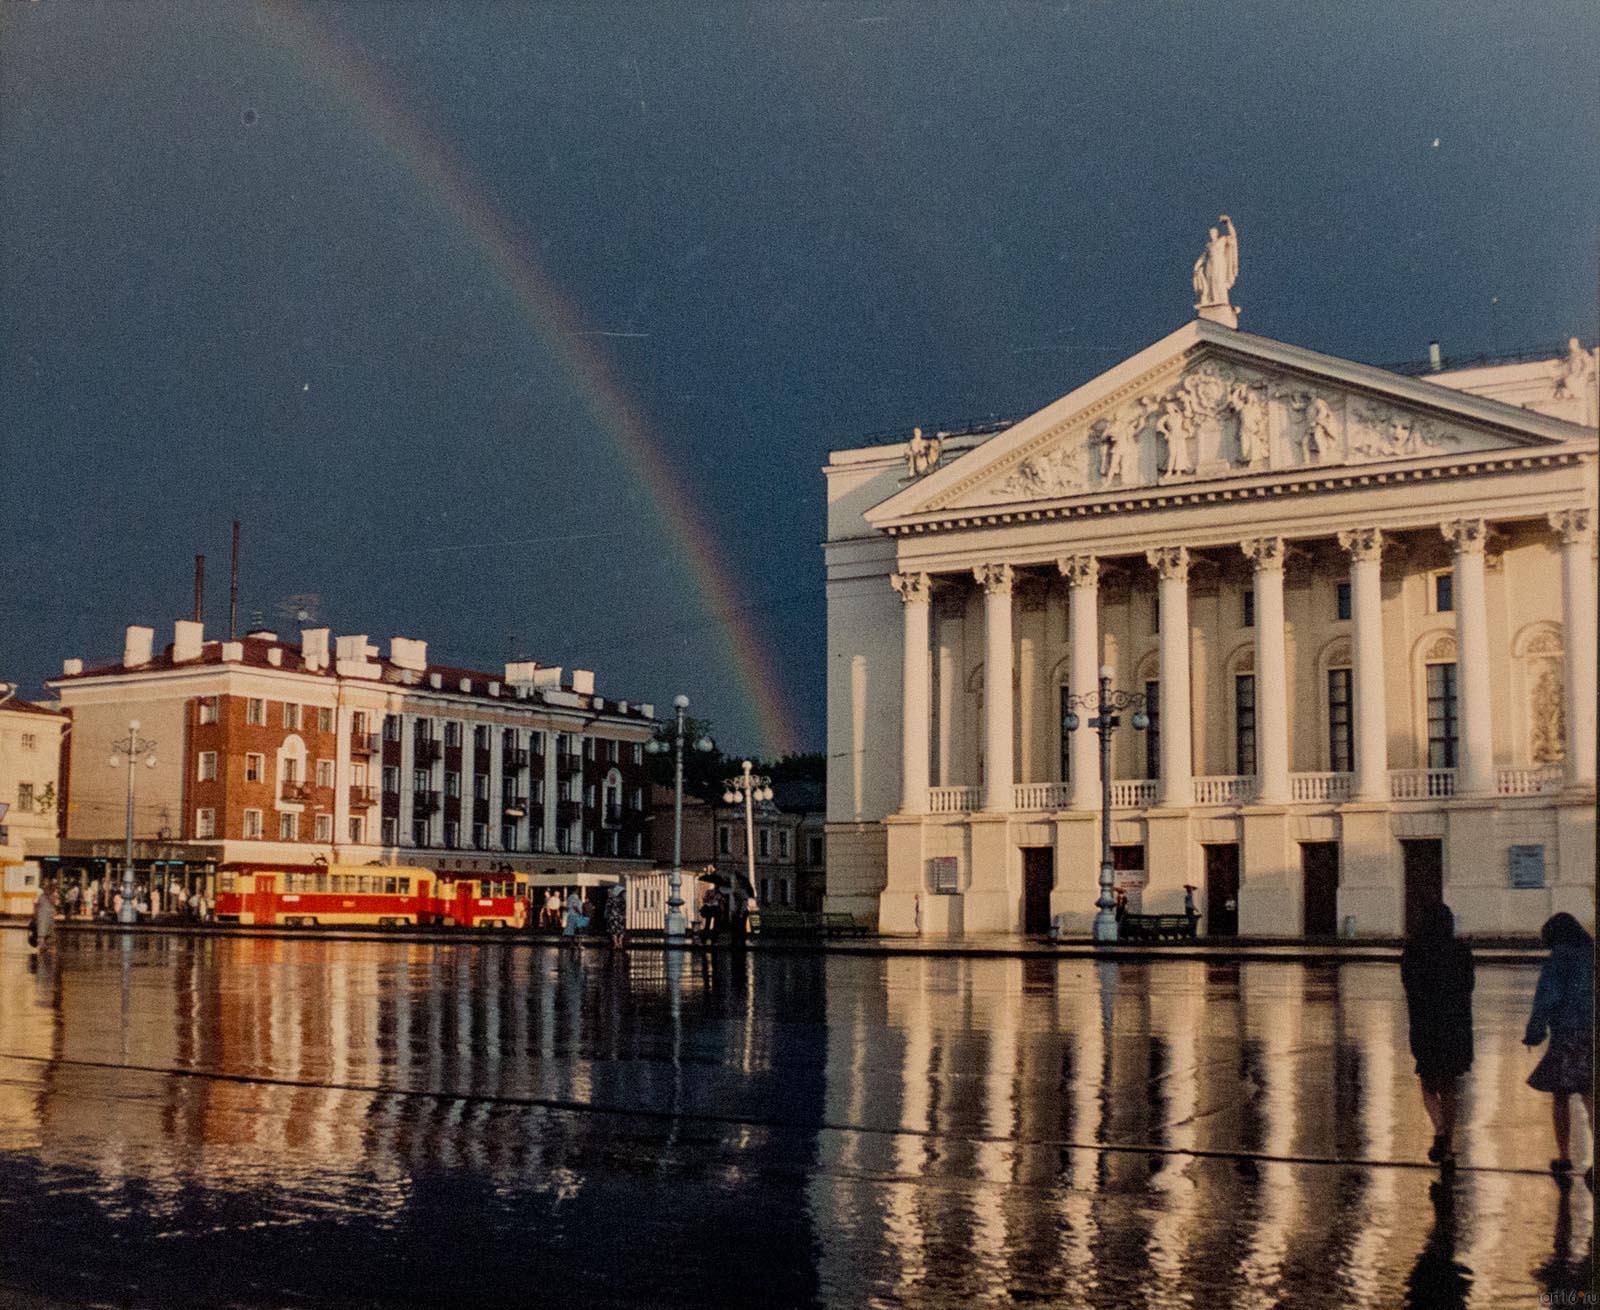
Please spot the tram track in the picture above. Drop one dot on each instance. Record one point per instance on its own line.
(566, 1105)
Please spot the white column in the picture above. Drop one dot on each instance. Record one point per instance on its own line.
(341, 775)
(1576, 529)
(995, 579)
(407, 761)
(497, 806)
(1082, 573)
(550, 786)
(1272, 680)
(468, 765)
(1475, 775)
(1177, 771)
(915, 703)
(1365, 547)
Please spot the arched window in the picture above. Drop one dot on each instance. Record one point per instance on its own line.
(611, 799)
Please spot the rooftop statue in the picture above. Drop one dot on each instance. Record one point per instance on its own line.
(1215, 273)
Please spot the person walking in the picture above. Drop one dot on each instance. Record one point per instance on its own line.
(575, 920)
(617, 915)
(1437, 974)
(1563, 1009)
(42, 931)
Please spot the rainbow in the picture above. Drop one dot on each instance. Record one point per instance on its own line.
(562, 331)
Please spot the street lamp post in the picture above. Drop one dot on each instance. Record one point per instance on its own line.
(125, 753)
(751, 787)
(675, 922)
(1106, 702)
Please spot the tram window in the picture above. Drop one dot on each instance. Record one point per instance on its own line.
(405, 886)
(225, 882)
(390, 886)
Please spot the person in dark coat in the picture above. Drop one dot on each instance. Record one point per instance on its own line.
(1436, 971)
(1563, 1007)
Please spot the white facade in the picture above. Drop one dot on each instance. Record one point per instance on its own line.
(30, 769)
(1363, 604)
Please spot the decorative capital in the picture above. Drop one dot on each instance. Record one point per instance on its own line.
(914, 588)
(1467, 536)
(1573, 526)
(1266, 553)
(1171, 562)
(1080, 570)
(994, 578)
(1364, 545)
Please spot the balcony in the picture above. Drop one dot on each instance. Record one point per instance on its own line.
(365, 743)
(1533, 780)
(1225, 789)
(1328, 788)
(424, 803)
(514, 807)
(569, 811)
(426, 751)
(361, 797)
(613, 816)
(295, 792)
(1421, 784)
(568, 762)
(514, 760)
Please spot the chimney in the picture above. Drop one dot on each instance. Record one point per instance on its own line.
(547, 677)
(71, 667)
(275, 656)
(583, 681)
(519, 671)
(187, 639)
(136, 646)
(314, 647)
(406, 653)
(1435, 359)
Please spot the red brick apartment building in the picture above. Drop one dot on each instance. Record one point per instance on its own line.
(264, 752)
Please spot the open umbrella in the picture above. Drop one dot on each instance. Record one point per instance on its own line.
(718, 878)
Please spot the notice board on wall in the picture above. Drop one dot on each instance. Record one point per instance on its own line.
(1526, 866)
(944, 872)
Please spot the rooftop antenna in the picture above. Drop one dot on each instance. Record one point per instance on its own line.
(233, 586)
(199, 588)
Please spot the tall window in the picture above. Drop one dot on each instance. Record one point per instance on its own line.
(480, 737)
(420, 778)
(452, 784)
(389, 830)
(255, 711)
(325, 774)
(419, 832)
(324, 827)
(358, 830)
(1244, 723)
(452, 834)
(288, 827)
(480, 786)
(1444, 592)
(1341, 745)
(452, 733)
(1066, 737)
(1341, 601)
(255, 767)
(358, 723)
(391, 731)
(205, 823)
(324, 718)
(508, 836)
(252, 825)
(391, 779)
(291, 715)
(1152, 734)
(208, 766)
(1247, 611)
(1441, 716)
(208, 709)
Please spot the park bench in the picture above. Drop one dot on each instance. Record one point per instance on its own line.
(1157, 927)
(842, 925)
(787, 923)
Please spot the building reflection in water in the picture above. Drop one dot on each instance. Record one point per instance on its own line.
(849, 1129)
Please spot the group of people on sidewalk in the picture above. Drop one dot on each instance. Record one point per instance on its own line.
(1436, 970)
(103, 899)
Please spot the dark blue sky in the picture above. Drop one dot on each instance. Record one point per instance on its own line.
(225, 294)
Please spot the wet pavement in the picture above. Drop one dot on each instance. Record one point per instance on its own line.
(211, 1121)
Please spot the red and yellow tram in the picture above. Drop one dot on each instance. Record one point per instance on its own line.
(380, 895)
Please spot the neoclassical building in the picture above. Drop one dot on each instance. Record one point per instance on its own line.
(1360, 603)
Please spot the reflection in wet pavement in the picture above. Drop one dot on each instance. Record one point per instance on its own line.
(260, 1122)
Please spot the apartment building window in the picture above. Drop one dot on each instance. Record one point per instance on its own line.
(480, 836)
(358, 723)
(588, 748)
(1341, 744)
(205, 824)
(564, 789)
(420, 779)
(591, 796)
(563, 743)
(422, 730)
(636, 752)
(25, 796)
(291, 715)
(764, 843)
(323, 827)
(324, 773)
(724, 840)
(814, 850)
(1244, 723)
(208, 709)
(480, 737)
(535, 838)
(252, 825)
(588, 841)
(1152, 734)
(480, 787)
(324, 718)
(783, 843)
(563, 841)
(1443, 592)
(391, 729)
(636, 798)
(536, 791)
(536, 743)
(508, 790)
(452, 834)
(452, 733)
(1341, 601)
(452, 784)
(255, 712)
(288, 827)
(508, 740)
(358, 830)
(508, 836)
(389, 830)
(1441, 716)
(391, 779)
(207, 761)
(419, 832)
(255, 767)
(636, 843)
(291, 769)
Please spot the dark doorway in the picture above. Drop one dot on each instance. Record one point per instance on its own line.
(1222, 891)
(1424, 866)
(1038, 878)
(1319, 867)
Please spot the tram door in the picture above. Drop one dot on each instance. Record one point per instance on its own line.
(265, 885)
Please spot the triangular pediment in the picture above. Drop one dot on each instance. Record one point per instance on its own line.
(1208, 403)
